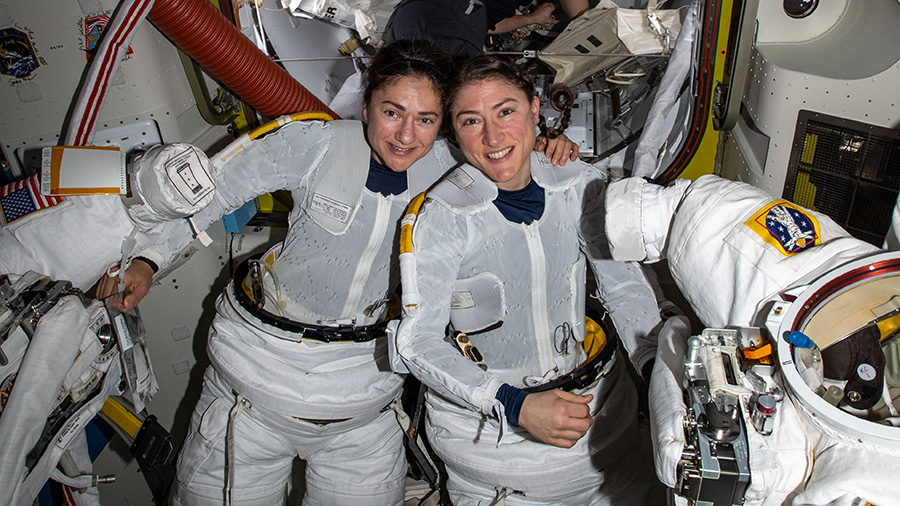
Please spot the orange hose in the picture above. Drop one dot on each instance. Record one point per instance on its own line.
(206, 35)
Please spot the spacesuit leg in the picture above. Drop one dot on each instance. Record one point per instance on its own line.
(611, 466)
(43, 369)
(262, 459)
(629, 480)
(363, 466)
(359, 461)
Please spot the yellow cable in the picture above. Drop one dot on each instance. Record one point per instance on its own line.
(283, 120)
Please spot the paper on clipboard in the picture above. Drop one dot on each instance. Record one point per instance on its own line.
(83, 170)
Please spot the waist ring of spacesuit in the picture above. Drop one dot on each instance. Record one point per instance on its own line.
(340, 334)
(600, 343)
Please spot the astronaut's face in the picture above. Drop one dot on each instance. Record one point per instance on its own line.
(403, 120)
(494, 123)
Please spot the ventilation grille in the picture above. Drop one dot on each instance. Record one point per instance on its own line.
(847, 170)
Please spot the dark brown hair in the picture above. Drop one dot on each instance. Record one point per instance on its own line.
(409, 58)
(489, 66)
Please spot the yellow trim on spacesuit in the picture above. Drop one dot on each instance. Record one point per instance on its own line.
(889, 326)
(409, 220)
(243, 141)
(284, 120)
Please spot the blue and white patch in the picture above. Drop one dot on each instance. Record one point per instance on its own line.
(786, 226)
(18, 58)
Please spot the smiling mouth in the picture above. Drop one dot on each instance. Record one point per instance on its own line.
(499, 154)
(399, 150)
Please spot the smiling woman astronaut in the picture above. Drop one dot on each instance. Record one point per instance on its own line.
(499, 250)
(297, 349)
(296, 369)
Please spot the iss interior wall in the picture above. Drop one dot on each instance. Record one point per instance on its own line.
(149, 86)
(758, 149)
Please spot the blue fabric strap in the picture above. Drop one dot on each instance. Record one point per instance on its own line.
(149, 262)
(512, 399)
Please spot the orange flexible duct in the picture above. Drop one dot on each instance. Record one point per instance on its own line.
(206, 35)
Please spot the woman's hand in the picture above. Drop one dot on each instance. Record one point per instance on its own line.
(543, 15)
(138, 278)
(556, 417)
(559, 150)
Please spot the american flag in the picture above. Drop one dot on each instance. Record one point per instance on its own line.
(22, 198)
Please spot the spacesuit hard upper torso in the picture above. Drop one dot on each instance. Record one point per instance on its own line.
(327, 274)
(731, 248)
(474, 268)
(716, 236)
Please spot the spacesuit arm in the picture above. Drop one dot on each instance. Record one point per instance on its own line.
(638, 216)
(280, 160)
(622, 287)
(625, 292)
(429, 272)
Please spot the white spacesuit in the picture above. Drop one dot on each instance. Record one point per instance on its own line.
(519, 291)
(57, 359)
(734, 251)
(81, 237)
(55, 370)
(332, 270)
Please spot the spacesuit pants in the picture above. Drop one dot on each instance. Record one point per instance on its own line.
(610, 466)
(358, 461)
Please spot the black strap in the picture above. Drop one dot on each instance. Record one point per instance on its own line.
(585, 374)
(343, 333)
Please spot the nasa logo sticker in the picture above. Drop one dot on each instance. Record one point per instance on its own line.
(787, 227)
(18, 58)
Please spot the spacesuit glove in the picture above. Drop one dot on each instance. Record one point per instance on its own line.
(556, 417)
(559, 150)
(138, 278)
